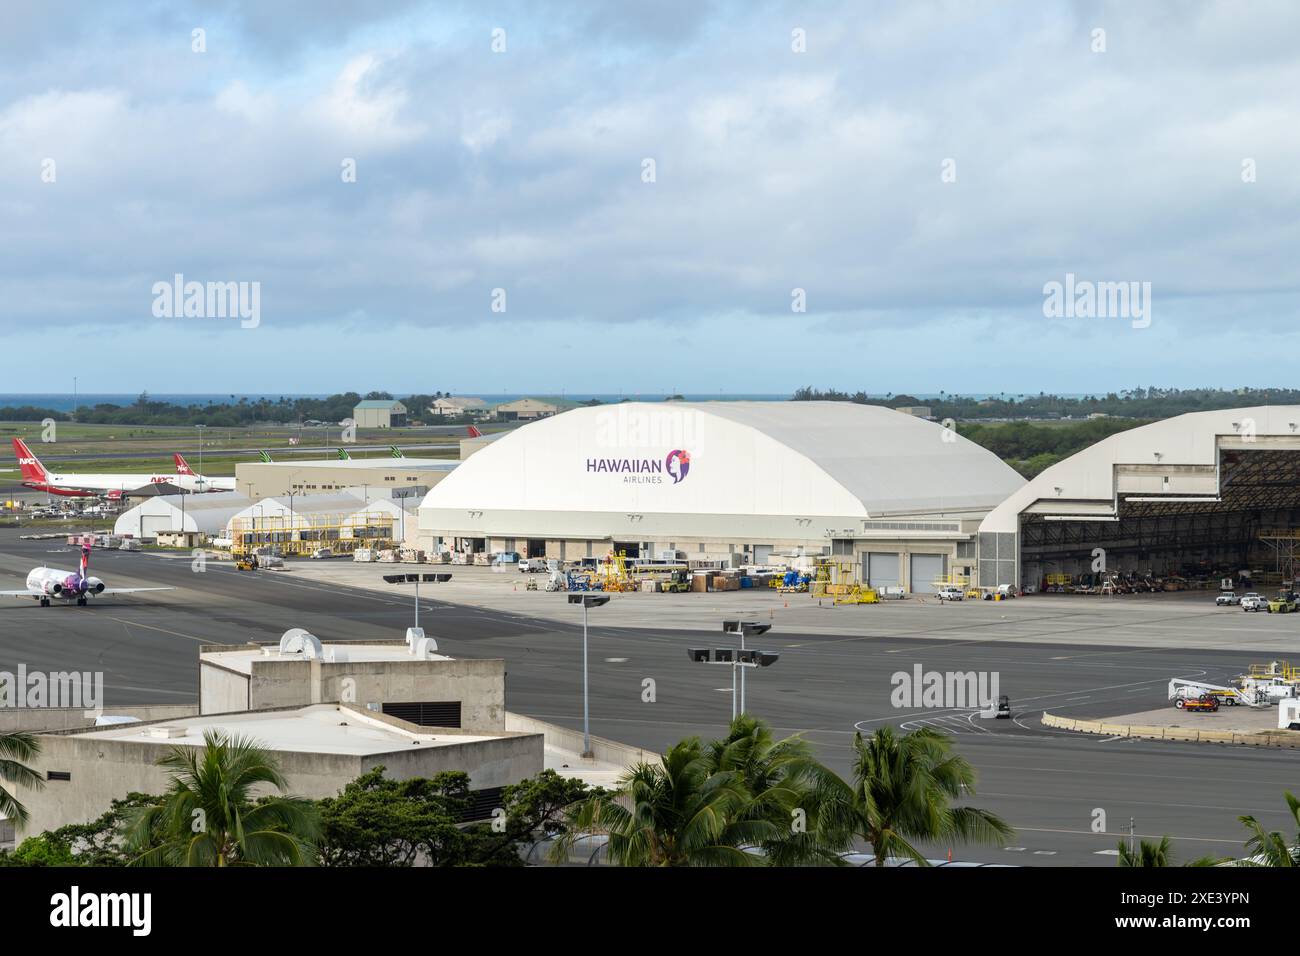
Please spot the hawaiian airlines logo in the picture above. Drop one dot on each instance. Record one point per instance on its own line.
(644, 471)
(678, 464)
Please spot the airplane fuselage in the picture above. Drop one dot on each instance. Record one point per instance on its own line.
(51, 583)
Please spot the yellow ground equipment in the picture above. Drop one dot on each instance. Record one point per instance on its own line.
(613, 573)
(838, 580)
(856, 594)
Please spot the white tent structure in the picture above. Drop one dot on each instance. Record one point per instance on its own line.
(733, 478)
(206, 513)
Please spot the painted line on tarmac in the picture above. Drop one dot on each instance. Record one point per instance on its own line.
(163, 630)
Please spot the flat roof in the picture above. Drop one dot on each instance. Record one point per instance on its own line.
(407, 464)
(318, 728)
(241, 659)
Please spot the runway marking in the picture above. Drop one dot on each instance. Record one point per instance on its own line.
(163, 630)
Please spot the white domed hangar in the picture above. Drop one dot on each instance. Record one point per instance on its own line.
(1203, 495)
(746, 483)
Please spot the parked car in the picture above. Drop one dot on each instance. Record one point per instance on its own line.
(1004, 707)
(949, 593)
(322, 553)
(1227, 598)
(1253, 602)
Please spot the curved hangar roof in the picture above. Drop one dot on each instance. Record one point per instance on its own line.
(759, 458)
(1170, 461)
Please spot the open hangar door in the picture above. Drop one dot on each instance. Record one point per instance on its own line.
(1249, 532)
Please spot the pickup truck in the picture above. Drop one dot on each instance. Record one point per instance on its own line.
(1253, 602)
(949, 593)
(1227, 598)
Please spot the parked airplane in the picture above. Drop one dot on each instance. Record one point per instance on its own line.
(80, 485)
(50, 584)
(396, 452)
(191, 480)
(265, 456)
(473, 432)
(343, 455)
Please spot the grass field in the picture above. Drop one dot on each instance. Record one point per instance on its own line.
(151, 447)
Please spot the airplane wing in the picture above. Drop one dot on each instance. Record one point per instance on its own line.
(26, 592)
(129, 590)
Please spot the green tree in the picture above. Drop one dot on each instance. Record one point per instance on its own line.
(683, 812)
(1267, 848)
(532, 809)
(208, 816)
(378, 821)
(1147, 853)
(902, 793)
(16, 750)
(786, 787)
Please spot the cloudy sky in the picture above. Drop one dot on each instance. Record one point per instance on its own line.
(648, 184)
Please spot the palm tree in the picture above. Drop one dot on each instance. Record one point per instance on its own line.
(1146, 853)
(787, 788)
(15, 750)
(1271, 849)
(209, 817)
(902, 792)
(684, 812)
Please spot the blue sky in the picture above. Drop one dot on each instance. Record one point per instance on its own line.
(774, 170)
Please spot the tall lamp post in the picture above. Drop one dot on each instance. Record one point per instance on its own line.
(440, 577)
(742, 659)
(199, 482)
(587, 601)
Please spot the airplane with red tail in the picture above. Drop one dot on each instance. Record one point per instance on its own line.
(37, 476)
(191, 480)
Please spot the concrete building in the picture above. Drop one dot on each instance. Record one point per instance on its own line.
(206, 514)
(262, 479)
(320, 749)
(896, 497)
(450, 406)
(379, 413)
(392, 677)
(1206, 493)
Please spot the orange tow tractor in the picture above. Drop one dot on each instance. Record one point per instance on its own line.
(1205, 704)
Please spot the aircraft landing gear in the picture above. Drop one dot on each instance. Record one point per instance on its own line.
(81, 602)
(45, 602)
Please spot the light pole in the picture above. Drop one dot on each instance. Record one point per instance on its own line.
(440, 577)
(745, 657)
(199, 483)
(586, 600)
(744, 629)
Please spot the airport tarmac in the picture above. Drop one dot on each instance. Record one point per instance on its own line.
(1049, 784)
(1188, 619)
